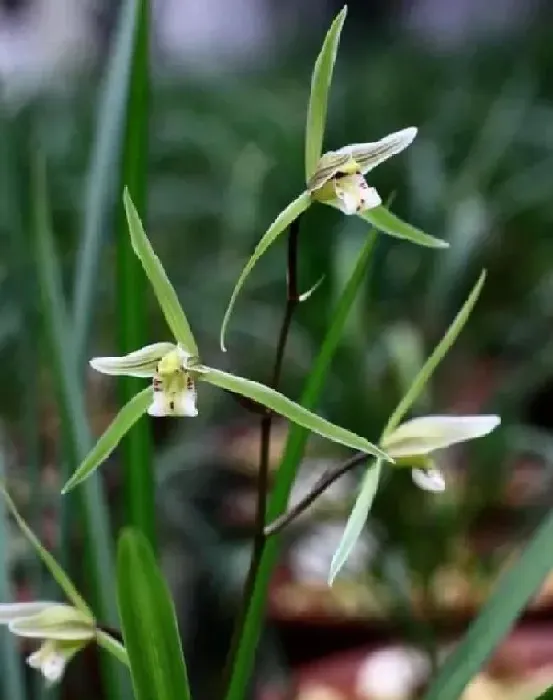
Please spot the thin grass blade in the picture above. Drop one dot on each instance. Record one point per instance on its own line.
(132, 321)
(149, 623)
(102, 185)
(515, 589)
(71, 402)
(12, 679)
(293, 454)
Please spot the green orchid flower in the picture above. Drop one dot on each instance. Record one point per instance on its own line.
(175, 370)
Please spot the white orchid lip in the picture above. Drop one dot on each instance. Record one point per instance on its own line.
(50, 662)
(353, 195)
(51, 658)
(430, 479)
(421, 436)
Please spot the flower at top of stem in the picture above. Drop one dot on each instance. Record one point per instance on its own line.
(172, 369)
(63, 629)
(339, 177)
(413, 442)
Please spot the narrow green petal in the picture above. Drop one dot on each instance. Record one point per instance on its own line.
(139, 363)
(356, 521)
(387, 222)
(112, 646)
(62, 622)
(318, 99)
(435, 358)
(51, 564)
(292, 411)
(163, 289)
(121, 424)
(279, 225)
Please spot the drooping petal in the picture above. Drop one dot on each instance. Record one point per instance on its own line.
(52, 658)
(429, 479)
(421, 436)
(354, 195)
(15, 611)
(369, 155)
(139, 363)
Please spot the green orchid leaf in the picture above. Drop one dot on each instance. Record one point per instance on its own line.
(51, 564)
(121, 424)
(387, 222)
(149, 623)
(514, 590)
(356, 521)
(288, 467)
(440, 351)
(292, 411)
(279, 225)
(548, 695)
(163, 289)
(318, 99)
(62, 622)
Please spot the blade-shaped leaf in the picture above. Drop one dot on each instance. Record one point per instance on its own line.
(356, 521)
(124, 420)
(286, 473)
(548, 695)
(387, 222)
(289, 409)
(163, 289)
(515, 589)
(279, 225)
(318, 99)
(136, 453)
(435, 358)
(102, 187)
(149, 623)
(51, 564)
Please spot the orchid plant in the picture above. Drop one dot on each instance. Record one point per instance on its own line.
(176, 371)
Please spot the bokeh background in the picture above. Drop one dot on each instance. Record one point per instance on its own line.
(229, 94)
